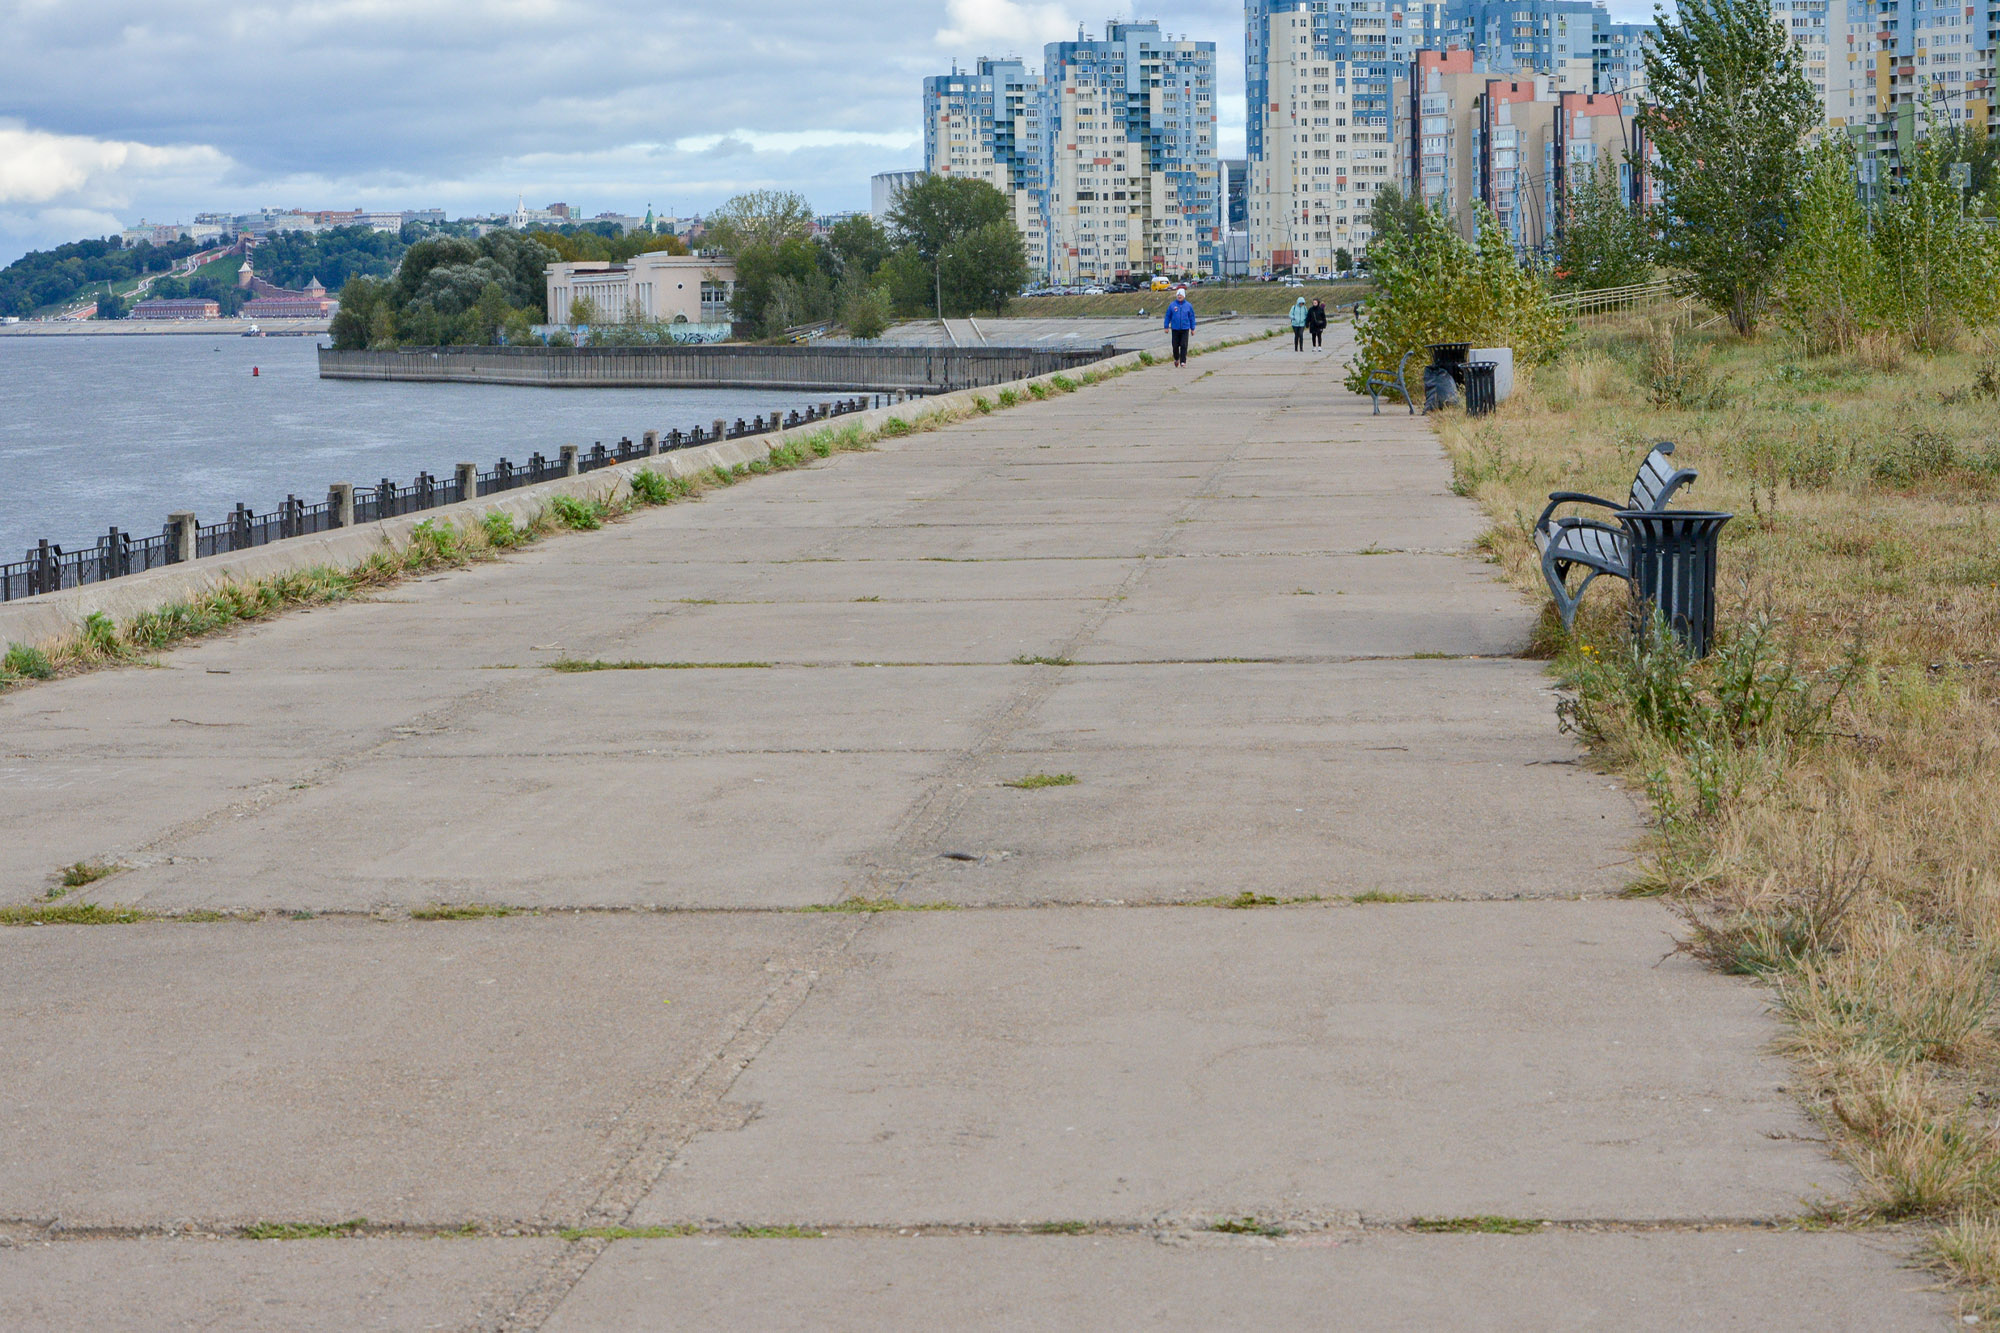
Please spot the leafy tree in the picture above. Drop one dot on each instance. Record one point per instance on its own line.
(353, 323)
(1394, 213)
(939, 209)
(867, 312)
(907, 278)
(1605, 242)
(1731, 107)
(982, 269)
(294, 258)
(1831, 288)
(111, 306)
(580, 245)
(1434, 286)
(962, 231)
(778, 286)
(761, 217)
(1343, 259)
(583, 310)
(858, 247)
(1940, 270)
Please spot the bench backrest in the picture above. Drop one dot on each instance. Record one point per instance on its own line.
(1658, 478)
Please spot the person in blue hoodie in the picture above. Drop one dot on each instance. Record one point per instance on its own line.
(1180, 323)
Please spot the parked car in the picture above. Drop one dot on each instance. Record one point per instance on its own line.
(1093, 291)
(1291, 280)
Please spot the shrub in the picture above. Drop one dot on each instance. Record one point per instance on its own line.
(1678, 373)
(434, 542)
(650, 487)
(1434, 286)
(575, 512)
(500, 530)
(100, 635)
(25, 660)
(1921, 455)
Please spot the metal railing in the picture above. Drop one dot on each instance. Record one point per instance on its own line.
(48, 567)
(1597, 302)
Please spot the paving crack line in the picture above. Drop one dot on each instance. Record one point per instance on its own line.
(663, 1122)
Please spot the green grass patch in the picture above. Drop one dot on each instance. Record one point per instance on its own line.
(577, 513)
(460, 911)
(981, 404)
(1245, 1226)
(628, 1233)
(1027, 660)
(79, 873)
(1242, 900)
(1036, 781)
(595, 664)
(776, 1233)
(1009, 397)
(1483, 1225)
(656, 488)
(24, 661)
(70, 914)
(301, 1230)
(1378, 896)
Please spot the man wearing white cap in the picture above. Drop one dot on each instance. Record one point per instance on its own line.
(1180, 324)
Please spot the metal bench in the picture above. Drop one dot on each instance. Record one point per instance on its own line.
(1601, 548)
(1380, 383)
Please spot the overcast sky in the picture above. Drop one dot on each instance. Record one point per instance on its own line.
(113, 110)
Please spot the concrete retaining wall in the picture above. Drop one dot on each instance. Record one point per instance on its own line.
(815, 369)
(45, 620)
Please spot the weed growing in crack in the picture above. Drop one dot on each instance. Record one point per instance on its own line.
(574, 664)
(70, 914)
(1485, 1225)
(460, 911)
(302, 1230)
(1245, 1226)
(1037, 781)
(628, 1233)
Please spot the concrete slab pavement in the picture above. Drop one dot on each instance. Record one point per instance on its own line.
(1737, 1280)
(301, 1286)
(1253, 705)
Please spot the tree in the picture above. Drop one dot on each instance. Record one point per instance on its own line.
(583, 310)
(1939, 268)
(1831, 291)
(982, 269)
(111, 306)
(1604, 239)
(963, 231)
(1394, 213)
(1343, 259)
(867, 312)
(1730, 110)
(354, 321)
(1434, 286)
(858, 247)
(761, 217)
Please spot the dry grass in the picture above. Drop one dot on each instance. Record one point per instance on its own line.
(1844, 845)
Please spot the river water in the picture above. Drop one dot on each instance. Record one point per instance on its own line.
(102, 430)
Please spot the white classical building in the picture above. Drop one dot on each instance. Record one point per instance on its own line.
(650, 287)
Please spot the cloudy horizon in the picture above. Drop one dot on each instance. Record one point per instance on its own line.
(120, 110)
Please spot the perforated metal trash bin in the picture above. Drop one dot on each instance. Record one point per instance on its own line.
(1450, 356)
(1481, 390)
(1673, 561)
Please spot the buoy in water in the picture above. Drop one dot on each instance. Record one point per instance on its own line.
(253, 372)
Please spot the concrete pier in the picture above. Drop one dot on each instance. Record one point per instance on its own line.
(595, 993)
(811, 368)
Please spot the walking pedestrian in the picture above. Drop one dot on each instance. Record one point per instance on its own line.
(1299, 325)
(1180, 324)
(1316, 320)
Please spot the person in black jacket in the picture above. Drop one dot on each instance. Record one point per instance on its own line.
(1316, 321)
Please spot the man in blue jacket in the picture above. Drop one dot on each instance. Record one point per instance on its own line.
(1180, 323)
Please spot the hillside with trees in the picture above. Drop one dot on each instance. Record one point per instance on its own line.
(68, 273)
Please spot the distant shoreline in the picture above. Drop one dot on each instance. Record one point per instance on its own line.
(140, 328)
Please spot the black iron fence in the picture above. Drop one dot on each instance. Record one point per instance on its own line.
(49, 567)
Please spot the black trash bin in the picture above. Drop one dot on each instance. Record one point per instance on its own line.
(1673, 555)
(1452, 357)
(1481, 392)
(1440, 387)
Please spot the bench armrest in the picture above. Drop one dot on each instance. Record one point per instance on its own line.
(1559, 498)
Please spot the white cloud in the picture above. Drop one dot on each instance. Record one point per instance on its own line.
(793, 141)
(37, 167)
(1008, 23)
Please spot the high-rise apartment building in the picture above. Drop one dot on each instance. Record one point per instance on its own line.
(1321, 162)
(1108, 153)
(990, 124)
(1518, 144)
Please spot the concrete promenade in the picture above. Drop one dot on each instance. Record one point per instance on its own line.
(1239, 611)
